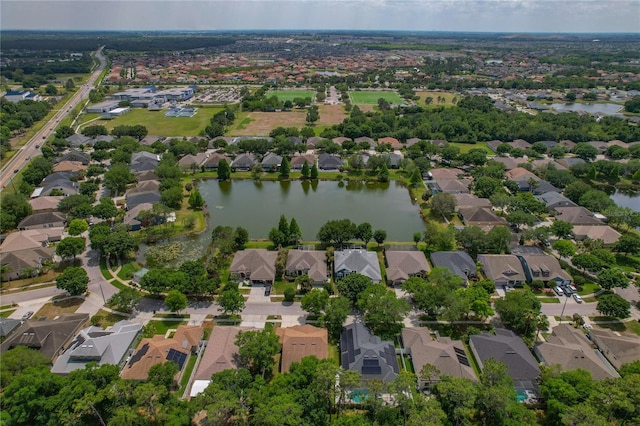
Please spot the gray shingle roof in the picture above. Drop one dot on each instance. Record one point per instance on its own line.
(458, 262)
(508, 348)
(359, 262)
(367, 354)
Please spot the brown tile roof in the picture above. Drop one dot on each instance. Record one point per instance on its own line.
(221, 352)
(445, 354)
(154, 350)
(405, 264)
(519, 173)
(301, 341)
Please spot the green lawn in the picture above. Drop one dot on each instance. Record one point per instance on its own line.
(466, 147)
(184, 381)
(370, 97)
(290, 95)
(589, 288)
(161, 327)
(159, 125)
(5, 314)
(548, 300)
(623, 327)
(128, 269)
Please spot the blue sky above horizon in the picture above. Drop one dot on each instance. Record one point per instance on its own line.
(554, 16)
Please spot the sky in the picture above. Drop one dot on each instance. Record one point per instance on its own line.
(590, 16)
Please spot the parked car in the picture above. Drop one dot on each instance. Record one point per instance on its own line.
(573, 287)
(567, 290)
(587, 327)
(558, 291)
(577, 297)
(27, 315)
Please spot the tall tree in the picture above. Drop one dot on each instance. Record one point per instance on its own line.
(175, 301)
(231, 301)
(78, 226)
(352, 285)
(294, 234)
(195, 199)
(306, 171)
(383, 311)
(70, 247)
(257, 349)
(224, 170)
(379, 235)
(613, 305)
(73, 280)
(335, 313)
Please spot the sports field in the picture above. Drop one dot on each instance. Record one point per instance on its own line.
(159, 125)
(290, 95)
(370, 97)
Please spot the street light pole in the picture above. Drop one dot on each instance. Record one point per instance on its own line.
(563, 306)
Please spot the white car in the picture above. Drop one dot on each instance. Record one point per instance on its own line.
(577, 297)
(558, 291)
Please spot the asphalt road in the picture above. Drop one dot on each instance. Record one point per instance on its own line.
(22, 156)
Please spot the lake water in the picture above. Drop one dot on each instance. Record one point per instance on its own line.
(257, 206)
(626, 199)
(608, 109)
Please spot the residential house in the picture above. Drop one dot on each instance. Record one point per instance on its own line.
(221, 353)
(607, 234)
(150, 140)
(545, 268)
(402, 265)
(297, 161)
(494, 144)
(74, 155)
(45, 204)
(484, 217)
(329, 162)
(567, 144)
(271, 162)
(244, 162)
(412, 141)
(503, 269)
(308, 262)
(212, 162)
(256, 265)
(568, 348)
(93, 344)
(69, 166)
(143, 161)
(300, 341)
(47, 336)
(570, 161)
(440, 143)
(540, 186)
(145, 186)
(33, 238)
(508, 162)
(577, 216)
(340, 140)
(24, 263)
(508, 348)
(371, 142)
(148, 197)
(440, 174)
(555, 199)
(470, 201)
(520, 173)
(192, 162)
(601, 146)
(396, 145)
(520, 143)
(458, 262)
(619, 350)
(313, 141)
(146, 175)
(448, 356)
(394, 159)
(7, 325)
(43, 220)
(78, 140)
(159, 349)
(131, 216)
(357, 261)
(452, 186)
(367, 354)
(59, 182)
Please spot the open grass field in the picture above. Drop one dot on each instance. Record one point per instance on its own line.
(331, 114)
(466, 147)
(51, 310)
(446, 98)
(261, 123)
(290, 95)
(371, 97)
(159, 125)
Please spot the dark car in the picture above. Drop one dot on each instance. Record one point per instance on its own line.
(16, 170)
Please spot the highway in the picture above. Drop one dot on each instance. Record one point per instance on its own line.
(32, 147)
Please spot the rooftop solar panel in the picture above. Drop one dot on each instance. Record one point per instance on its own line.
(371, 370)
(139, 354)
(177, 357)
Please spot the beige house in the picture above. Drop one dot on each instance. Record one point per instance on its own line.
(619, 350)
(401, 265)
(596, 232)
(256, 265)
(503, 269)
(570, 349)
(308, 262)
(448, 356)
(300, 341)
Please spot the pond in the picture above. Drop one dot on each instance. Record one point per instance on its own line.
(257, 206)
(626, 199)
(608, 109)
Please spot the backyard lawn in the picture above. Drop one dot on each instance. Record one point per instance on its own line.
(159, 125)
(371, 97)
(290, 95)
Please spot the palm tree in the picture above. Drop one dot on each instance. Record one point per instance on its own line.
(542, 323)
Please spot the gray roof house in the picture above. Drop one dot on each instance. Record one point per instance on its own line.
(466, 201)
(569, 348)
(401, 265)
(271, 161)
(508, 348)
(7, 325)
(448, 356)
(553, 199)
(577, 216)
(329, 162)
(367, 354)
(244, 162)
(503, 269)
(133, 200)
(308, 262)
(545, 268)
(26, 262)
(192, 161)
(78, 139)
(214, 159)
(257, 265)
(297, 161)
(357, 261)
(458, 262)
(93, 344)
(74, 155)
(619, 350)
(46, 336)
(143, 165)
(43, 220)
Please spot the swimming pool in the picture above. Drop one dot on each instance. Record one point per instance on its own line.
(359, 395)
